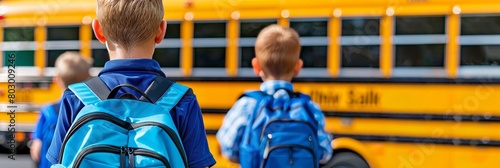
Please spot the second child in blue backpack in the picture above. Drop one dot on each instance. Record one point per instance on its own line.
(277, 61)
(131, 29)
(71, 68)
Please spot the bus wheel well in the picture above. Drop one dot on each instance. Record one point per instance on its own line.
(348, 157)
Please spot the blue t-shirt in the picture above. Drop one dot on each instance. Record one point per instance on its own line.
(44, 130)
(141, 72)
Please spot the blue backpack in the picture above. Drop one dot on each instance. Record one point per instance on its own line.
(280, 134)
(125, 132)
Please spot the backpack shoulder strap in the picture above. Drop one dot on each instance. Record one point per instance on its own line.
(302, 96)
(305, 100)
(259, 96)
(256, 94)
(90, 91)
(165, 92)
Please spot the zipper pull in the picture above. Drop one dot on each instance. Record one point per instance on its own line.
(123, 152)
(266, 150)
(291, 155)
(131, 157)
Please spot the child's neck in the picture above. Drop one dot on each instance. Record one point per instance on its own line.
(272, 78)
(142, 51)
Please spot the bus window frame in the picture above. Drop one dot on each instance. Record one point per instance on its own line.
(440, 72)
(209, 42)
(474, 71)
(173, 43)
(350, 40)
(248, 42)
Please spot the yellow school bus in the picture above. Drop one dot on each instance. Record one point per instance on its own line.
(402, 83)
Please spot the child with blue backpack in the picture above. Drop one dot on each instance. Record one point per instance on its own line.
(71, 68)
(275, 126)
(130, 115)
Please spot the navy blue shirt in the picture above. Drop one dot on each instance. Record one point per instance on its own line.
(141, 72)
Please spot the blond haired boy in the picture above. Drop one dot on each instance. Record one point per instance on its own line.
(131, 29)
(277, 61)
(71, 68)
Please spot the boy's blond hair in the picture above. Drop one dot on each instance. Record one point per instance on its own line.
(71, 68)
(277, 50)
(129, 22)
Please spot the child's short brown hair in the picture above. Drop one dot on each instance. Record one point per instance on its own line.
(71, 68)
(129, 22)
(277, 50)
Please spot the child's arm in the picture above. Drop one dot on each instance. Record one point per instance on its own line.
(193, 134)
(69, 104)
(36, 145)
(324, 137)
(231, 131)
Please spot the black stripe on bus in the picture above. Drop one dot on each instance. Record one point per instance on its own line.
(399, 116)
(408, 139)
(394, 80)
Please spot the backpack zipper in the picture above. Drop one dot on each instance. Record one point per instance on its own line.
(148, 153)
(88, 118)
(123, 152)
(269, 150)
(125, 125)
(170, 133)
(266, 150)
(291, 155)
(94, 149)
(286, 121)
(131, 160)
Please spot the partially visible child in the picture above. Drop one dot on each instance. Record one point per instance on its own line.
(71, 68)
(277, 61)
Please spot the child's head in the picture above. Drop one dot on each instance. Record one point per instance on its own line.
(277, 51)
(71, 68)
(130, 25)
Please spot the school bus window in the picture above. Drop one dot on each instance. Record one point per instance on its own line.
(19, 34)
(406, 25)
(361, 56)
(246, 56)
(209, 57)
(173, 30)
(100, 57)
(209, 30)
(23, 58)
(63, 33)
(251, 28)
(360, 26)
(53, 54)
(480, 25)
(314, 56)
(431, 55)
(480, 55)
(167, 57)
(310, 27)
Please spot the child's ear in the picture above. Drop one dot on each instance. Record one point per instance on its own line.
(256, 67)
(161, 32)
(298, 67)
(96, 27)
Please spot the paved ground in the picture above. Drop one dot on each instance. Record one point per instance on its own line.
(22, 161)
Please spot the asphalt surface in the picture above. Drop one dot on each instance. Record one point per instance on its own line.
(22, 161)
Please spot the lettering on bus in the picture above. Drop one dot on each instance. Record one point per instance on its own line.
(363, 98)
(351, 97)
(327, 98)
